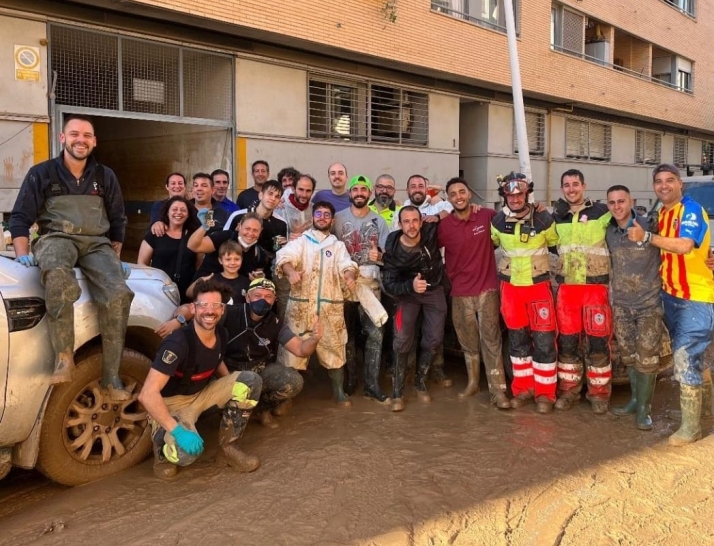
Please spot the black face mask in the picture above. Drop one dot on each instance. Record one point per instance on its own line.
(260, 307)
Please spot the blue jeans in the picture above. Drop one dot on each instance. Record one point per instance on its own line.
(690, 325)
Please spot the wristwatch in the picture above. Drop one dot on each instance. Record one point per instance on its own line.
(647, 237)
(181, 319)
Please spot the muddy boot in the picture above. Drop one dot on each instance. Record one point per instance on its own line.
(567, 400)
(631, 406)
(706, 399)
(64, 368)
(399, 368)
(599, 407)
(500, 400)
(521, 400)
(283, 408)
(163, 469)
(266, 419)
(233, 423)
(645, 390)
(690, 400)
(337, 377)
(437, 370)
(544, 404)
(422, 372)
(371, 379)
(350, 373)
(112, 325)
(473, 370)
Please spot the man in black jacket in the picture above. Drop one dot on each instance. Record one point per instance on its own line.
(413, 274)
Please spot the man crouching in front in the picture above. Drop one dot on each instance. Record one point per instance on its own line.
(179, 388)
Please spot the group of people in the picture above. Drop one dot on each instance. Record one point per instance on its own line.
(288, 272)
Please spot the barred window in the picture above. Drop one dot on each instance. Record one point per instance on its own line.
(486, 13)
(681, 151)
(367, 112)
(648, 147)
(707, 153)
(535, 128)
(588, 140)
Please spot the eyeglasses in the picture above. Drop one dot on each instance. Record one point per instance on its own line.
(322, 214)
(209, 305)
(383, 187)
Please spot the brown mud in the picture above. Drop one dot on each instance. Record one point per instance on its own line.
(450, 472)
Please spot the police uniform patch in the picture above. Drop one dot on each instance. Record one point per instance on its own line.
(543, 312)
(169, 357)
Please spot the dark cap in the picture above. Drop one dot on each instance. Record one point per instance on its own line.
(666, 168)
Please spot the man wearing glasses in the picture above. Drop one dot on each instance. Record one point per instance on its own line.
(318, 265)
(179, 388)
(383, 202)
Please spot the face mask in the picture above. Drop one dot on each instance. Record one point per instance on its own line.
(244, 243)
(260, 307)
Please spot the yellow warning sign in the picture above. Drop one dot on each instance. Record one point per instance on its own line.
(27, 63)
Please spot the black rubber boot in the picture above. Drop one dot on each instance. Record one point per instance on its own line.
(437, 370)
(690, 400)
(631, 406)
(337, 377)
(233, 423)
(422, 371)
(372, 365)
(163, 469)
(399, 375)
(350, 372)
(645, 390)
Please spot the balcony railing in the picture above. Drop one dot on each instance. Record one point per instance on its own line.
(459, 9)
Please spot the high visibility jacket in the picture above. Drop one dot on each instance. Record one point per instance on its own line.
(583, 254)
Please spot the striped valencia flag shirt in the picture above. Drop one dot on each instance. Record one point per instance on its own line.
(686, 276)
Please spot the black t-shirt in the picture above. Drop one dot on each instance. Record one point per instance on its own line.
(248, 198)
(172, 359)
(239, 287)
(253, 258)
(165, 256)
(251, 342)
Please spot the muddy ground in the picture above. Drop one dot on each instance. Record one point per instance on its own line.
(453, 472)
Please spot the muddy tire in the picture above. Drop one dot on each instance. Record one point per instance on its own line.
(86, 437)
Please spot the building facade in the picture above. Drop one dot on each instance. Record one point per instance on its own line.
(395, 86)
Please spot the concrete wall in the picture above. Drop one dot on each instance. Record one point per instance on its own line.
(443, 122)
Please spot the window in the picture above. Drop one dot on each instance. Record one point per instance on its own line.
(366, 112)
(672, 70)
(648, 147)
(535, 128)
(587, 140)
(487, 13)
(707, 153)
(685, 6)
(567, 30)
(681, 151)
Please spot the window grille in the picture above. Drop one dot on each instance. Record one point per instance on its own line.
(588, 140)
(486, 13)
(681, 151)
(535, 128)
(648, 147)
(367, 112)
(707, 153)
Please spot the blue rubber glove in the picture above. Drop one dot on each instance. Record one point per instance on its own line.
(126, 269)
(202, 214)
(28, 260)
(189, 441)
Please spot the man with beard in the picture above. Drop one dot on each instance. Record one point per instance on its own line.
(684, 241)
(470, 262)
(383, 202)
(288, 177)
(364, 233)
(260, 171)
(296, 212)
(337, 196)
(221, 182)
(78, 206)
(318, 265)
(178, 389)
(525, 235)
(417, 187)
(582, 308)
(413, 274)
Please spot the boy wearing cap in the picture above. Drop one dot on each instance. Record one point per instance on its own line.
(364, 233)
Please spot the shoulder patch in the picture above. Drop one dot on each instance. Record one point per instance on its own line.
(169, 357)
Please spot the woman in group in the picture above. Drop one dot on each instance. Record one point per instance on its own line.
(170, 252)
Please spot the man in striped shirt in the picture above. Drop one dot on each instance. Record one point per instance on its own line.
(687, 290)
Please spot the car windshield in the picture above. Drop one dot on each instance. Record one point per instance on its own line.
(704, 195)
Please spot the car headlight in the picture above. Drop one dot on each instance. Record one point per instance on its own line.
(172, 292)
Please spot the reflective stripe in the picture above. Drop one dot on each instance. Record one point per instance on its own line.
(568, 376)
(650, 360)
(521, 360)
(544, 367)
(599, 380)
(585, 249)
(601, 370)
(522, 373)
(571, 367)
(545, 379)
(513, 252)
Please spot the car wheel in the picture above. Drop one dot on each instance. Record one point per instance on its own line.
(85, 436)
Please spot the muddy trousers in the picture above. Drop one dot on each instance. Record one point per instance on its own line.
(237, 394)
(57, 254)
(280, 383)
(583, 310)
(354, 315)
(639, 335)
(529, 314)
(477, 323)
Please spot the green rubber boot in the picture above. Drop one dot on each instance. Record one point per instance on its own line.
(645, 390)
(337, 377)
(707, 389)
(631, 406)
(690, 400)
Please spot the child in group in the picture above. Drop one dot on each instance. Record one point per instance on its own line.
(230, 256)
